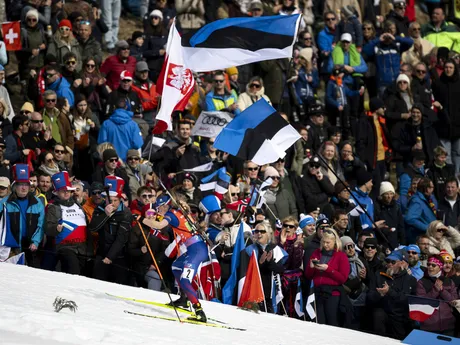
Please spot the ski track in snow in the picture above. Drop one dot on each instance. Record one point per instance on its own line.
(27, 317)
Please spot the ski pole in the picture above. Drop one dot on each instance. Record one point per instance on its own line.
(157, 268)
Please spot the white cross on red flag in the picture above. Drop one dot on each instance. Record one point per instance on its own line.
(11, 32)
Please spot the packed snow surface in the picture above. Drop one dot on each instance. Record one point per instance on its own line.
(27, 317)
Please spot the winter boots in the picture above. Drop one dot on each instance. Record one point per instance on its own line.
(199, 313)
(182, 302)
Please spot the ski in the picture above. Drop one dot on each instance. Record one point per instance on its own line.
(190, 320)
(162, 305)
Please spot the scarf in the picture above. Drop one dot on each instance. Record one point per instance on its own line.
(437, 275)
(270, 196)
(356, 265)
(326, 256)
(337, 79)
(338, 56)
(189, 192)
(49, 170)
(432, 205)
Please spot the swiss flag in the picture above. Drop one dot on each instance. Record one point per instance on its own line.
(11, 32)
(175, 83)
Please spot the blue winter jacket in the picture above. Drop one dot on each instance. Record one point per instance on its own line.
(303, 88)
(337, 96)
(387, 58)
(418, 216)
(62, 89)
(405, 180)
(367, 203)
(121, 130)
(15, 227)
(325, 40)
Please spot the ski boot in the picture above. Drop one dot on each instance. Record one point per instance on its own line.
(199, 313)
(181, 302)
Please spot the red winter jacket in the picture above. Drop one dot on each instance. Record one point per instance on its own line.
(112, 68)
(335, 275)
(148, 96)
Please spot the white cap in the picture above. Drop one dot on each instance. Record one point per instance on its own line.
(346, 37)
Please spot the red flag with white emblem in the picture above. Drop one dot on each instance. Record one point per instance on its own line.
(11, 32)
(175, 83)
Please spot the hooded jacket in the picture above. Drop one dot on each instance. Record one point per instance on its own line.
(246, 99)
(121, 130)
(62, 88)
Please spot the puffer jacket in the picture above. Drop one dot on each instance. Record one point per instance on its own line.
(58, 49)
(443, 319)
(418, 216)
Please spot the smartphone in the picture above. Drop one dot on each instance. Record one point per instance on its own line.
(315, 261)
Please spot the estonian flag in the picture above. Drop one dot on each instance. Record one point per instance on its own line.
(259, 134)
(311, 309)
(298, 303)
(229, 288)
(217, 182)
(240, 41)
(422, 308)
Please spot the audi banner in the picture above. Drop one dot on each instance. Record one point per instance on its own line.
(210, 123)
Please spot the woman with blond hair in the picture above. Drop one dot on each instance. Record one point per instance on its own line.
(329, 269)
(442, 237)
(6, 127)
(63, 42)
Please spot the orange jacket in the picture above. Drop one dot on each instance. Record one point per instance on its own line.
(148, 96)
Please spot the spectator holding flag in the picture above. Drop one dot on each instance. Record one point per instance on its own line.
(329, 269)
(436, 286)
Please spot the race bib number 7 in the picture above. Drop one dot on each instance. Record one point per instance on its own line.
(188, 273)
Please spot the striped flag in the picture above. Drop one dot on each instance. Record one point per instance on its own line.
(19, 259)
(311, 302)
(259, 134)
(240, 41)
(298, 303)
(229, 288)
(201, 168)
(421, 308)
(217, 182)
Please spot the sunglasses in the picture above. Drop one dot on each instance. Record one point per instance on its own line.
(147, 196)
(218, 81)
(431, 265)
(421, 71)
(289, 226)
(50, 160)
(113, 160)
(96, 192)
(233, 194)
(281, 160)
(194, 211)
(252, 169)
(370, 247)
(307, 38)
(260, 231)
(155, 17)
(330, 19)
(133, 158)
(275, 177)
(50, 100)
(37, 121)
(350, 246)
(127, 48)
(367, 28)
(64, 28)
(89, 65)
(411, 252)
(315, 166)
(126, 81)
(72, 63)
(59, 151)
(211, 142)
(2, 147)
(32, 20)
(24, 112)
(3, 188)
(442, 230)
(393, 262)
(416, 29)
(257, 86)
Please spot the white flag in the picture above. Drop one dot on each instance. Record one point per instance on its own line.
(201, 168)
(176, 82)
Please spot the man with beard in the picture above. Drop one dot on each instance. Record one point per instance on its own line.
(387, 297)
(38, 138)
(78, 192)
(34, 188)
(44, 185)
(89, 46)
(423, 242)
(415, 268)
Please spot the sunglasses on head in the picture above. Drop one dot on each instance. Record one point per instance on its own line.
(147, 196)
(260, 231)
(84, 22)
(370, 247)
(289, 226)
(96, 192)
(133, 158)
(59, 151)
(24, 112)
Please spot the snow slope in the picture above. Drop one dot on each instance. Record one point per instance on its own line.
(27, 317)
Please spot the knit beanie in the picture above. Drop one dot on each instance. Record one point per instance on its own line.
(306, 220)
(346, 240)
(362, 177)
(270, 171)
(27, 106)
(403, 77)
(385, 187)
(32, 13)
(339, 187)
(65, 22)
(231, 71)
(109, 153)
(375, 104)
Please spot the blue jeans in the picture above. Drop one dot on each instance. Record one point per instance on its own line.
(453, 152)
(111, 10)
